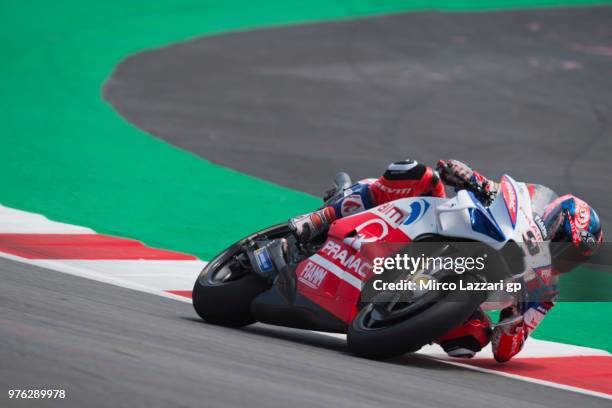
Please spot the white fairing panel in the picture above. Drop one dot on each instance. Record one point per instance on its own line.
(448, 217)
(510, 216)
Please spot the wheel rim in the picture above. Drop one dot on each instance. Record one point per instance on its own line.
(227, 271)
(376, 316)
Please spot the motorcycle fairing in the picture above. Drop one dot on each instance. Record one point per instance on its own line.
(332, 278)
(337, 281)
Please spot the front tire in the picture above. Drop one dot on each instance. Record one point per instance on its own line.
(223, 299)
(410, 334)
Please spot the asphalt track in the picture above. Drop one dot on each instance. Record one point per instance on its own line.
(528, 92)
(109, 346)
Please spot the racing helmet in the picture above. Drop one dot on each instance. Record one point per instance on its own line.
(570, 219)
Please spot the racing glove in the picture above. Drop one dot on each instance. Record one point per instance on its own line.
(455, 173)
(308, 226)
(461, 176)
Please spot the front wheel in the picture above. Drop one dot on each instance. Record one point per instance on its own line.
(416, 325)
(225, 288)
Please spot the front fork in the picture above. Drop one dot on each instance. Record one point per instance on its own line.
(269, 261)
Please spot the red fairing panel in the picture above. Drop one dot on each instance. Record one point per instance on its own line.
(333, 277)
(510, 198)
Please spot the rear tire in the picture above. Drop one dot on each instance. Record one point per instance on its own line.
(414, 332)
(228, 302)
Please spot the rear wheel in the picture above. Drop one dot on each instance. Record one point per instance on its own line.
(373, 334)
(223, 292)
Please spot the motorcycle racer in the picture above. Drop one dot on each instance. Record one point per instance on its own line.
(566, 218)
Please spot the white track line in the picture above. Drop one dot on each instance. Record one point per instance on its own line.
(94, 275)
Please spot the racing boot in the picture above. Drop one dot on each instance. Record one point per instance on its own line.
(309, 226)
(510, 333)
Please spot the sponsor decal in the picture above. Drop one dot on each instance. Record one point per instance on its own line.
(587, 238)
(372, 230)
(352, 204)
(394, 191)
(417, 211)
(540, 226)
(536, 225)
(509, 194)
(341, 254)
(263, 259)
(390, 213)
(312, 275)
(544, 273)
(582, 214)
(575, 232)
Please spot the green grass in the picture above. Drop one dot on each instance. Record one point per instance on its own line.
(65, 153)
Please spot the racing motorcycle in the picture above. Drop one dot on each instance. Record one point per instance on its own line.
(322, 284)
